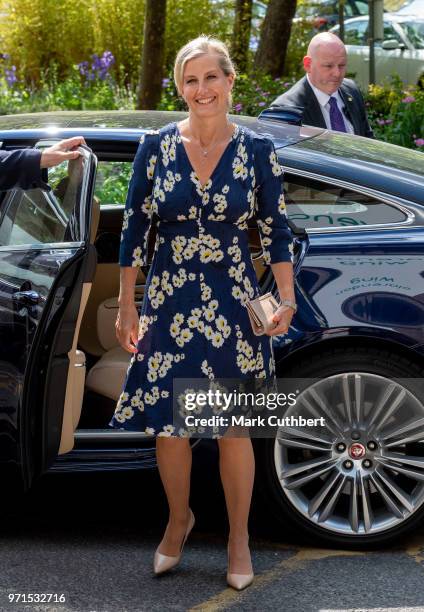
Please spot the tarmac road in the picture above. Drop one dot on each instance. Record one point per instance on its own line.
(92, 538)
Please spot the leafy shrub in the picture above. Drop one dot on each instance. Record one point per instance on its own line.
(37, 33)
(397, 113)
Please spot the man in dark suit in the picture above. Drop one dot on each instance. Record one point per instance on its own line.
(23, 167)
(327, 99)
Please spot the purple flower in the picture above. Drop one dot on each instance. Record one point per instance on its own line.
(389, 121)
(420, 142)
(99, 65)
(165, 82)
(99, 68)
(83, 68)
(408, 100)
(381, 121)
(10, 76)
(262, 104)
(287, 84)
(238, 107)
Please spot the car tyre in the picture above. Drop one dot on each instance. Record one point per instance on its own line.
(289, 518)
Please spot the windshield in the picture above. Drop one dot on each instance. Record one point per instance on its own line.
(415, 32)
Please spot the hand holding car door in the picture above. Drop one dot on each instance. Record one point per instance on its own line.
(22, 167)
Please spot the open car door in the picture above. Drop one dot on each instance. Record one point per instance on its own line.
(47, 262)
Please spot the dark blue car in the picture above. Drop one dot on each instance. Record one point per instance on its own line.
(357, 210)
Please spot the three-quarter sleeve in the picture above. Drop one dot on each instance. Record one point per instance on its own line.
(138, 206)
(271, 217)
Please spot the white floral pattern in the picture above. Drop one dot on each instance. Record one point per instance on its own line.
(193, 320)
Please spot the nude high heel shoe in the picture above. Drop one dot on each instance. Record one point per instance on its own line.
(163, 563)
(238, 581)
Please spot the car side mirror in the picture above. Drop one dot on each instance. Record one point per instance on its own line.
(391, 44)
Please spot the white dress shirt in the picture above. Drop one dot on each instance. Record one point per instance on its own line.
(323, 100)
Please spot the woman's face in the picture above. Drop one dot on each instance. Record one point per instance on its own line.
(206, 88)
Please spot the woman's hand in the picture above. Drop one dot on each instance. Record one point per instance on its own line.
(126, 327)
(282, 317)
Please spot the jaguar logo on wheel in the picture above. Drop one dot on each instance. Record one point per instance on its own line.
(357, 451)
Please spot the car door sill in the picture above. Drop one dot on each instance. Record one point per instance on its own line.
(115, 435)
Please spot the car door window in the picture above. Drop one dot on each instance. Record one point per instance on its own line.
(389, 33)
(361, 7)
(316, 204)
(112, 181)
(356, 32)
(348, 11)
(415, 33)
(38, 216)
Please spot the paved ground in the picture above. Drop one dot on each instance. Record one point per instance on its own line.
(92, 537)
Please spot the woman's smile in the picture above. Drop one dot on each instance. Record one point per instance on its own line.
(206, 100)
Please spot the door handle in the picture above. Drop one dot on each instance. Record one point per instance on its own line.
(26, 298)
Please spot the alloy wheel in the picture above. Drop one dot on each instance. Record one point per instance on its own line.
(363, 472)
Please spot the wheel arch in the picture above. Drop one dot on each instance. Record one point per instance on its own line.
(304, 352)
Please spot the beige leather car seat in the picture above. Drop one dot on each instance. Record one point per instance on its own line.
(107, 376)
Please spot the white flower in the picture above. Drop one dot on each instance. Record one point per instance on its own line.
(186, 335)
(127, 412)
(209, 314)
(137, 258)
(174, 330)
(217, 340)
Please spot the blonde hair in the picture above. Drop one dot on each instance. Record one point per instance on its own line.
(201, 46)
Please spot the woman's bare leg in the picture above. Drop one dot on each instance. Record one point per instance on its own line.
(237, 469)
(174, 462)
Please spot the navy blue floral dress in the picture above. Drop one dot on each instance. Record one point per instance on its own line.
(194, 323)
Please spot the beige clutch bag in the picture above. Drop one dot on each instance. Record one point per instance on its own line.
(260, 311)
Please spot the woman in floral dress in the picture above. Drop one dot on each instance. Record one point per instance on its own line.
(204, 178)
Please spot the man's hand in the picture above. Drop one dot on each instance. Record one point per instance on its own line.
(60, 152)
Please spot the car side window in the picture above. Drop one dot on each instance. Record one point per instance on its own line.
(389, 33)
(348, 11)
(112, 180)
(316, 204)
(361, 7)
(36, 216)
(356, 32)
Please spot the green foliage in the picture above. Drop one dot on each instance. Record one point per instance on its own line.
(397, 114)
(72, 93)
(37, 33)
(187, 19)
(112, 182)
(301, 34)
